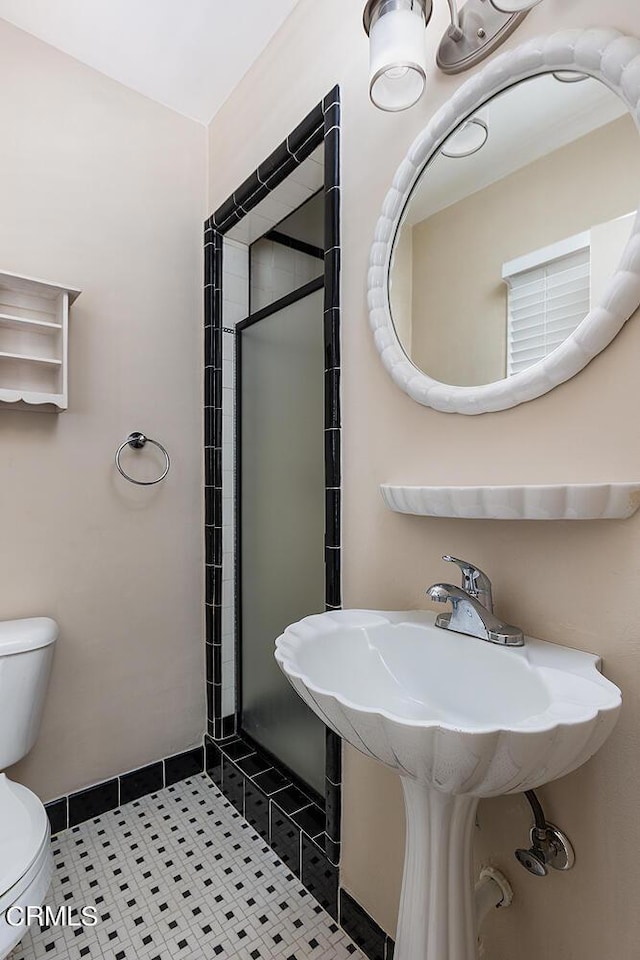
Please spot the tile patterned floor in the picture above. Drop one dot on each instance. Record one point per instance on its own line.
(179, 874)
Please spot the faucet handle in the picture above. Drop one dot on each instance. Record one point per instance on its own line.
(474, 581)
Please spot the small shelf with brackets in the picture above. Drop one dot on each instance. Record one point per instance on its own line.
(576, 501)
(34, 334)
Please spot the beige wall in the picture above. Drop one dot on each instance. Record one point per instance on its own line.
(104, 190)
(460, 300)
(572, 583)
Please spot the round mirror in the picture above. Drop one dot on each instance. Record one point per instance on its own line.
(500, 258)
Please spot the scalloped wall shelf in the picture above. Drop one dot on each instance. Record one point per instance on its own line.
(579, 501)
(34, 333)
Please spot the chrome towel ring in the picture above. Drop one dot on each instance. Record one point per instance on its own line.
(137, 441)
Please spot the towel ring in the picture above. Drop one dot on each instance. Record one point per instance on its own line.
(137, 441)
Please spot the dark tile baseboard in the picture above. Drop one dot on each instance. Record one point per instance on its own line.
(363, 929)
(86, 804)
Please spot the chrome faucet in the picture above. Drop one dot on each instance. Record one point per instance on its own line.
(474, 582)
(472, 605)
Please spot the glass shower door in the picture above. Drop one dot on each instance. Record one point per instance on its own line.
(282, 520)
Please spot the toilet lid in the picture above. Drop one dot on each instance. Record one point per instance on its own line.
(23, 829)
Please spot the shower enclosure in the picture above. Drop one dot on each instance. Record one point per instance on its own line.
(273, 474)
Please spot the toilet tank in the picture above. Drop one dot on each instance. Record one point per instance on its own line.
(26, 651)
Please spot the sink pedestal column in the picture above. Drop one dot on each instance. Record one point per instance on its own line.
(437, 918)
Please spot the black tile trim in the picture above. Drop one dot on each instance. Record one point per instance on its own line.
(213, 264)
(285, 837)
(233, 782)
(334, 811)
(311, 795)
(312, 124)
(58, 814)
(310, 819)
(270, 168)
(333, 568)
(76, 808)
(87, 804)
(183, 765)
(141, 782)
(314, 141)
(334, 757)
(213, 761)
(257, 809)
(333, 850)
(271, 782)
(243, 772)
(292, 800)
(319, 876)
(286, 157)
(253, 765)
(362, 929)
(237, 749)
(333, 515)
(321, 125)
(332, 399)
(229, 726)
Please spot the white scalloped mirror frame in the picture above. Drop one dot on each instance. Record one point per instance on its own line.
(604, 54)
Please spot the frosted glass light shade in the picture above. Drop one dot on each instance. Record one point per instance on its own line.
(514, 6)
(398, 55)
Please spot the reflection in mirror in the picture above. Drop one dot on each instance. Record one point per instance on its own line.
(514, 229)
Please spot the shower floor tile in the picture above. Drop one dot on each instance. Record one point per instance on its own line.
(180, 874)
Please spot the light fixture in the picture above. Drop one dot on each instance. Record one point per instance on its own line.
(466, 140)
(397, 45)
(398, 51)
(514, 6)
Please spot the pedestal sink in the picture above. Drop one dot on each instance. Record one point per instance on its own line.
(459, 719)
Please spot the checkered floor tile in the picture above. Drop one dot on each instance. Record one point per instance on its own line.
(180, 874)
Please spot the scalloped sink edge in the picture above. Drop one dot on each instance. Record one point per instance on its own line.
(572, 711)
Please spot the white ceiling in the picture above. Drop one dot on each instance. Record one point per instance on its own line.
(526, 122)
(186, 54)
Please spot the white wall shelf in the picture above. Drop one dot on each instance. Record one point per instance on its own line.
(34, 336)
(579, 501)
(51, 361)
(21, 323)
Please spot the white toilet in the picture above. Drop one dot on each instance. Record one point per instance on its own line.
(26, 651)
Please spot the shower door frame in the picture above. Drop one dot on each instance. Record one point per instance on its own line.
(321, 126)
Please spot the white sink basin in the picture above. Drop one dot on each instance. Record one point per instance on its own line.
(453, 711)
(459, 719)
